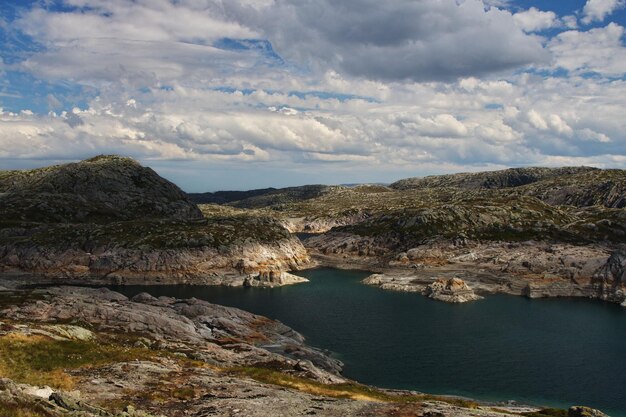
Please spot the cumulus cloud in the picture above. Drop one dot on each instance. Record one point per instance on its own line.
(535, 20)
(598, 50)
(337, 86)
(392, 40)
(396, 40)
(598, 10)
(450, 124)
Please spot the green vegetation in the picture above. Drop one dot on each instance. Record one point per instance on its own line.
(22, 410)
(572, 204)
(548, 412)
(112, 202)
(494, 218)
(215, 232)
(101, 189)
(350, 390)
(264, 197)
(38, 360)
(567, 205)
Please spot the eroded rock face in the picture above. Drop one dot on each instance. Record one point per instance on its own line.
(610, 279)
(119, 265)
(453, 290)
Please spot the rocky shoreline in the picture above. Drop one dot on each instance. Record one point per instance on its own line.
(257, 264)
(532, 269)
(147, 356)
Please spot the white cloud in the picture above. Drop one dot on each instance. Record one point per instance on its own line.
(161, 40)
(360, 90)
(598, 10)
(535, 20)
(398, 40)
(598, 50)
(447, 125)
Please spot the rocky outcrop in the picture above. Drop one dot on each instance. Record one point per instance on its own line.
(272, 279)
(580, 411)
(108, 220)
(233, 265)
(610, 279)
(605, 188)
(104, 188)
(453, 290)
(318, 225)
(450, 290)
(393, 283)
(530, 268)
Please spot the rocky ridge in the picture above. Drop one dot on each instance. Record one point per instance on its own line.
(512, 177)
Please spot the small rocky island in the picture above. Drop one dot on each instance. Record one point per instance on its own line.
(75, 351)
(451, 290)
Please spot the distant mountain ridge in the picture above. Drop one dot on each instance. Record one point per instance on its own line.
(264, 197)
(507, 178)
(574, 186)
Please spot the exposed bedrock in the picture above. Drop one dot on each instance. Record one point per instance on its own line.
(190, 322)
(205, 265)
(531, 268)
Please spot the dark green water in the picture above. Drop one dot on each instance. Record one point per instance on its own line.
(556, 352)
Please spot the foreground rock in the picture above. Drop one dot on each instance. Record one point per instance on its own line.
(108, 356)
(191, 323)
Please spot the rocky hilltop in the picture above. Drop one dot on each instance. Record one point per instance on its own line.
(110, 220)
(573, 186)
(512, 177)
(100, 189)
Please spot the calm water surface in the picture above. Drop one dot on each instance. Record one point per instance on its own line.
(555, 352)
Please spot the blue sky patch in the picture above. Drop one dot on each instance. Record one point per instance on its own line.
(264, 47)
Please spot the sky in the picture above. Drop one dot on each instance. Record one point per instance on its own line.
(242, 94)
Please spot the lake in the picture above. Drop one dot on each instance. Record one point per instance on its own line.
(553, 352)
